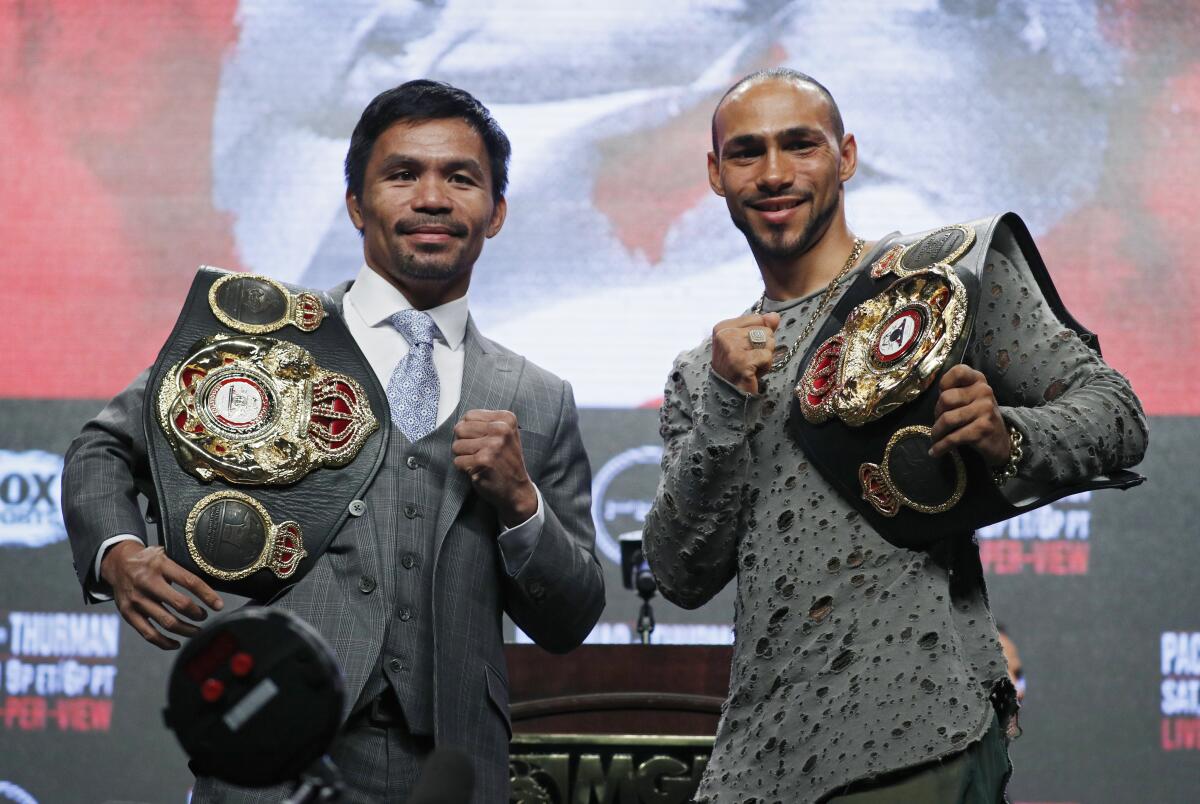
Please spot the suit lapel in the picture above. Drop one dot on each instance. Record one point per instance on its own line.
(490, 380)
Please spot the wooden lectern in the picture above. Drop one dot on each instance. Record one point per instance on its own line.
(613, 723)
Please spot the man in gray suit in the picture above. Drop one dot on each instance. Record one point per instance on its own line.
(480, 508)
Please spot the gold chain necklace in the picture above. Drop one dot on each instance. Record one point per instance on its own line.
(781, 363)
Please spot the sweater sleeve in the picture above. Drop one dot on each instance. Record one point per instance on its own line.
(1079, 416)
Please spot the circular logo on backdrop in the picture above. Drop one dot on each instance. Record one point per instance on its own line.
(622, 492)
(10, 792)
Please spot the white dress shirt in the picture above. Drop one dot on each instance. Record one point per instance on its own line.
(367, 308)
(369, 304)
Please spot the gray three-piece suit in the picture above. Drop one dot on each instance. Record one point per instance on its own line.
(411, 591)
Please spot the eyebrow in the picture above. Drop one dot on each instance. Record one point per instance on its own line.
(393, 161)
(803, 132)
(795, 132)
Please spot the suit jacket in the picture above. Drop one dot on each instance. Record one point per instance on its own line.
(555, 596)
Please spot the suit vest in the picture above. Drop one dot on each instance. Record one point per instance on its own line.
(404, 502)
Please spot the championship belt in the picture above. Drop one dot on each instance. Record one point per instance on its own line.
(257, 442)
(866, 391)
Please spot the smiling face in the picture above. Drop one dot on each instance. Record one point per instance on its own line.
(780, 166)
(426, 207)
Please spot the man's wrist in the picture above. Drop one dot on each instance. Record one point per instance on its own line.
(523, 507)
(731, 408)
(114, 553)
(1003, 472)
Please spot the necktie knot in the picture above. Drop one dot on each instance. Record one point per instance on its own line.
(416, 326)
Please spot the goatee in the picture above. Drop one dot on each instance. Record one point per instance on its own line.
(415, 266)
(779, 248)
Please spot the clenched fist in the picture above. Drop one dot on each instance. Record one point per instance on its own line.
(736, 357)
(487, 446)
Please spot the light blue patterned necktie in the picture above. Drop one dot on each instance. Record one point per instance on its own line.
(413, 391)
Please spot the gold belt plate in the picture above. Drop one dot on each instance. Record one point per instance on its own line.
(255, 305)
(260, 411)
(888, 351)
(231, 536)
(881, 487)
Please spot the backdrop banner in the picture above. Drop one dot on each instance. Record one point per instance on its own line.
(139, 141)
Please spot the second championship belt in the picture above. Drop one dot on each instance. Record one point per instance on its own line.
(867, 387)
(263, 422)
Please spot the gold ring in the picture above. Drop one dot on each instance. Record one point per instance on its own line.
(758, 337)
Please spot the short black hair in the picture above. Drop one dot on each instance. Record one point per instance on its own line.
(794, 77)
(420, 100)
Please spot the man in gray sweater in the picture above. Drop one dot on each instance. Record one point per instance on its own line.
(864, 671)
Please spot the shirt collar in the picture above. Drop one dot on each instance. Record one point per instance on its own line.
(376, 300)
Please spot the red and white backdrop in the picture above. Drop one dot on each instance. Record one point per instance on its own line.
(138, 140)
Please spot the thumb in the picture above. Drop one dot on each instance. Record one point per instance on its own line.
(771, 320)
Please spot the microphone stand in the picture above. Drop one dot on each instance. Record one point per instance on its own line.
(643, 581)
(645, 623)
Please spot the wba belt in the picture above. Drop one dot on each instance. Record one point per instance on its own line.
(263, 421)
(866, 391)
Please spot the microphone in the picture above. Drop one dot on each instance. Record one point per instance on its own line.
(643, 579)
(447, 778)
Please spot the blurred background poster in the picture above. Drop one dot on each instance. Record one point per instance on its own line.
(140, 140)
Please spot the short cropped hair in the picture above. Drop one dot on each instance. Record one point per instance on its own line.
(420, 100)
(783, 74)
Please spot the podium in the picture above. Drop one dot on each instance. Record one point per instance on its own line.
(613, 723)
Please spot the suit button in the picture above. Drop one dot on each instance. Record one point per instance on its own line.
(405, 614)
(357, 508)
(536, 590)
(366, 584)
(407, 562)
(410, 511)
(396, 665)
(413, 463)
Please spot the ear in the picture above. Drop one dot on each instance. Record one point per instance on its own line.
(499, 213)
(849, 158)
(714, 174)
(355, 210)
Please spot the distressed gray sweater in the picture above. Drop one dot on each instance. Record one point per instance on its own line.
(853, 657)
